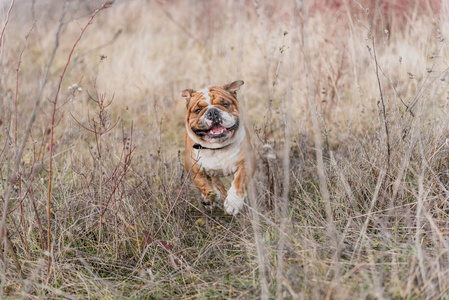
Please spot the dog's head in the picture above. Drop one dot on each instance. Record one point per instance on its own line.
(213, 114)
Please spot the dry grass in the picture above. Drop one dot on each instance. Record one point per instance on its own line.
(365, 214)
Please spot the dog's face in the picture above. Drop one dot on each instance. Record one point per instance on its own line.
(212, 114)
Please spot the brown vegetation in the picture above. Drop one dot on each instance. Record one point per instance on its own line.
(347, 103)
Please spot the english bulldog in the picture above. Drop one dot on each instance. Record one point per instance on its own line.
(217, 144)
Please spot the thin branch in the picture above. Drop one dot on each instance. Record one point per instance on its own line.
(19, 152)
(283, 204)
(4, 26)
(384, 112)
(17, 82)
(105, 5)
(313, 111)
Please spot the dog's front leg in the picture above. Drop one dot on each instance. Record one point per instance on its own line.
(236, 194)
(210, 192)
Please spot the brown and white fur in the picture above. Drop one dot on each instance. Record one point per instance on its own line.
(217, 144)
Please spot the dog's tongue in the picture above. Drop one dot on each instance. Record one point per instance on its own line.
(217, 129)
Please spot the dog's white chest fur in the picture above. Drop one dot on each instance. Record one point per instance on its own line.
(221, 162)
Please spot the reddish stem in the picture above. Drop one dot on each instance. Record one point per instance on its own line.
(106, 4)
(17, 82)
(6, 23)
(176, 200)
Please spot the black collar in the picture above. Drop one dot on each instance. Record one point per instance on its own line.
(198, 146)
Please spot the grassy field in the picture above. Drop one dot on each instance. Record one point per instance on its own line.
(348, 106)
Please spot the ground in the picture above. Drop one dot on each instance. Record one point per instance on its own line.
(347, 105)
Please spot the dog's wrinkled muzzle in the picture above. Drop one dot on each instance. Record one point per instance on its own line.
(212, 116)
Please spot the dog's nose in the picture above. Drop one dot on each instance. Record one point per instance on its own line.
(213, 114)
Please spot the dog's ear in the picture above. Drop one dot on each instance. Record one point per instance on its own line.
(233, 87)
(188, 93)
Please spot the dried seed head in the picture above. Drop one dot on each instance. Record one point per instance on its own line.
(269, 153)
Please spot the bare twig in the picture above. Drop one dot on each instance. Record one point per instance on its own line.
(19, 152)
(254, 214)
(316, 127)
(283, 204)
(106, 4)
(382, 101)
(17, 82)
(4, 26)
(186, 180)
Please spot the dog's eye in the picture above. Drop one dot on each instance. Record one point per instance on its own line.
(197, 111)
(226, 105)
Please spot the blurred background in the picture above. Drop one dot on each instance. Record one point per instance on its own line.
(348, 98)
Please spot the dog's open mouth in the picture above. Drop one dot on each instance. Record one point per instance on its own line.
(216, 132)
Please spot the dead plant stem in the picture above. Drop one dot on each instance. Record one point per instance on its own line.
(384, 110)
(4, 26)
(316, 127)
(283, 203)
(19, 152)
(17, 83)
(55, 101)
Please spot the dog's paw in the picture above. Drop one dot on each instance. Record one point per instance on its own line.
(214, 196)
(209, 201)
(208, 206)
(233, 203)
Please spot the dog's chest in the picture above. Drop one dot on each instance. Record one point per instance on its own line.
(222, 162)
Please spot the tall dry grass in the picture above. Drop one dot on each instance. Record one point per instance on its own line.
(348, 106)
